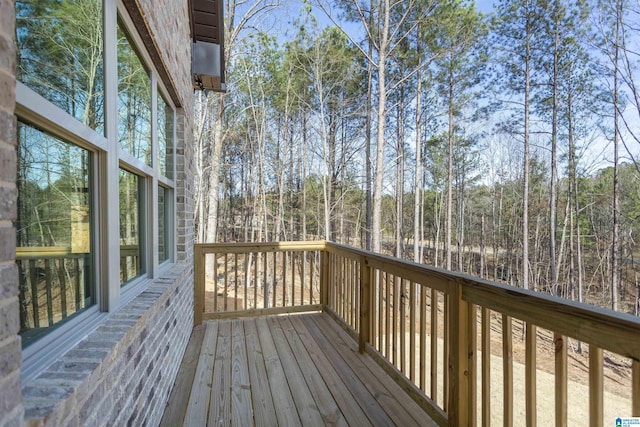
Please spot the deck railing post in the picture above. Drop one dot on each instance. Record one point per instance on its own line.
(199, 285)
(324, 277)
(365, 304)
(459, 361)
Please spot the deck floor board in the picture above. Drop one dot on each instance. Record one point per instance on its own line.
(287, 371)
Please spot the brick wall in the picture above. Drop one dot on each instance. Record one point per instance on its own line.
(11, 411)
(122, 373)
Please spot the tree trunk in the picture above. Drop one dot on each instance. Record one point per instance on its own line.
(450, 142)
(525, 190)
(616, 196)
(417, 202)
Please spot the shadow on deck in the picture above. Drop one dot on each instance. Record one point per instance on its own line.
(284, 370)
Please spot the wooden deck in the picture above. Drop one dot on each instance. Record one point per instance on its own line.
(284, 370)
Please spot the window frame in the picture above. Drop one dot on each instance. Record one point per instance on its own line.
(107, 158)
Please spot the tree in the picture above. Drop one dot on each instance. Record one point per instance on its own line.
(213, 109)
(515, 25)
(459, 70)
(386, 25)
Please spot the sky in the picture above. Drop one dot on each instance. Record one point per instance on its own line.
(282, 25)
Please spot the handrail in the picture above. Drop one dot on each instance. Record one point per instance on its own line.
(267, 278)
(391, 305)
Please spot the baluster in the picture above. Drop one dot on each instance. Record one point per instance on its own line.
(412, 331)
(47, 273)
(434, 345)
(635, 403)
(560, 379)
(486, 367)
(530, 379)
(507, 370)
(63, 287)
(33, 278)
(596, 411)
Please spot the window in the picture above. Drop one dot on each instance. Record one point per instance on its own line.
(60, 56)
(54, 231)
(165, 138)
(132, 262)
(87, 173)
(134, 101)
(163, 225)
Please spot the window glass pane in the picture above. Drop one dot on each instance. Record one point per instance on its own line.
(163, 226)
(54, 230)
(131, 236)
(165, 138)
(59, 55)
(134, 102)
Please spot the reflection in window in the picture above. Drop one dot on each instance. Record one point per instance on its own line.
(163, 226)
(60, 55)
(54, 230)
(134, 102)
(165, 138)
(131, 255)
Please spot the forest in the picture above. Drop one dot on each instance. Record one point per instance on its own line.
(500, 142)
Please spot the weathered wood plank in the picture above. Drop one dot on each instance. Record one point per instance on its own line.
(268, 371)
(220, 401)
(286, 411)
(350, 408)
(377, 381)
(263, 408)
(176, 409)
(355, 384)
(201, 389)
(307, 407)
(327, 406)
(241, 407)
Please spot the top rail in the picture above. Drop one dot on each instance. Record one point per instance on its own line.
(611, 330)
(239, 248)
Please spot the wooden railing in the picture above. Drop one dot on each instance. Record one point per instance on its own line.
(440, 334)
(246, 279)
(54, 282)
(53, 285)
